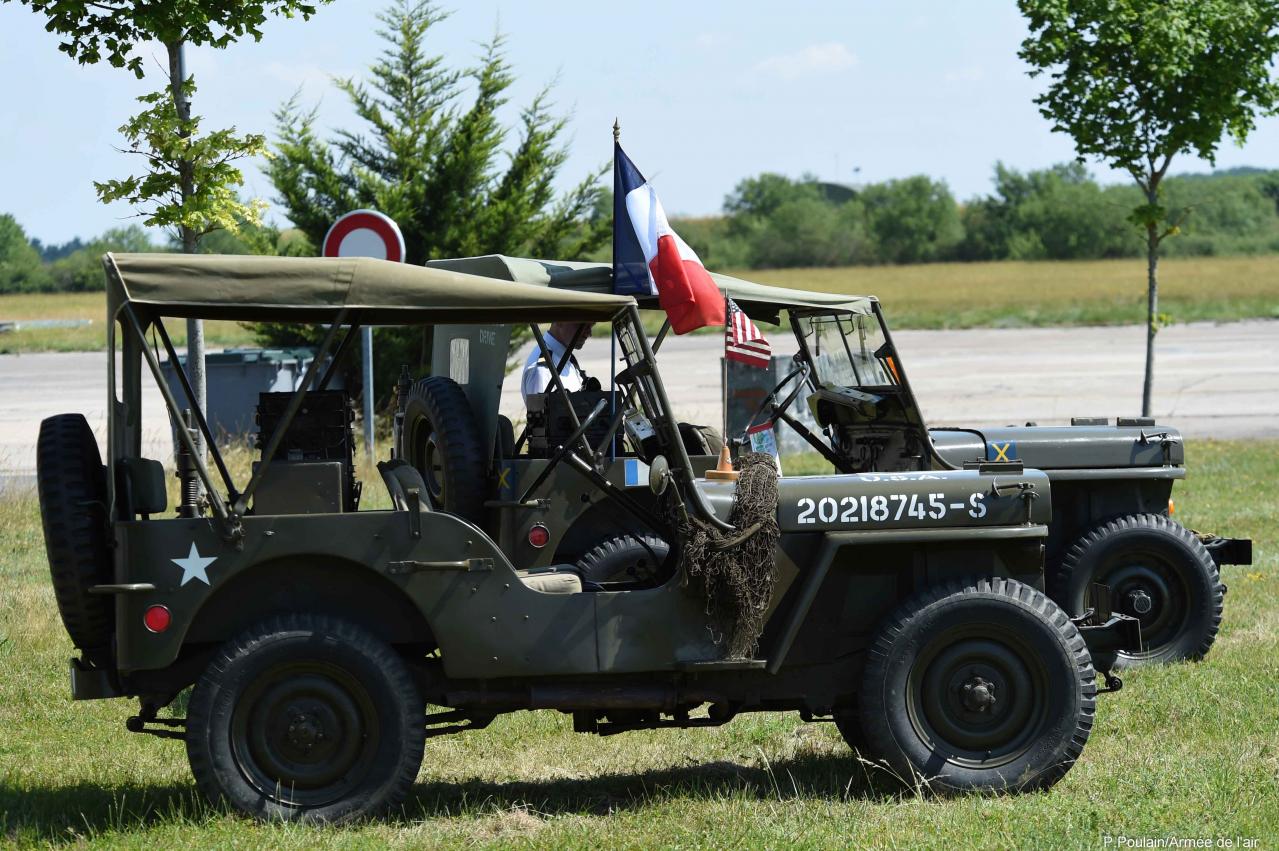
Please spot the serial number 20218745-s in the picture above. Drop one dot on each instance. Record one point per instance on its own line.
(883, 508)
(907, 500)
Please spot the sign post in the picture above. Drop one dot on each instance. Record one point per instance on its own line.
(366, 233)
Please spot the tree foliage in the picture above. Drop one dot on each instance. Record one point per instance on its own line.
(113, 29)
(913, 220)
(1136, 83)
(20, 269)
(190, 182)
(434, 154)
(75, 266)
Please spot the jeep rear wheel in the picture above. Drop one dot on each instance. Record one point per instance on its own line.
(72, 484)
(306, 718)
(1157, 572)
(986, 686)
(442, 440)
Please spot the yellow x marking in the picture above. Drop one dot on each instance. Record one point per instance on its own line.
(501, 478)
(1001, 452)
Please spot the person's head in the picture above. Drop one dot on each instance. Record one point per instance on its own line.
(572, 334)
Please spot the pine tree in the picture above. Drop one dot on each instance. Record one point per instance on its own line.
(433, 154)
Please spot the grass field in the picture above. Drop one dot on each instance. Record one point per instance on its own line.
(942, 295)
(1189, 751)
(1095, 292)
(91, 306)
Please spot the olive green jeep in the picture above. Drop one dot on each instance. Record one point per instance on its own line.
(1111, 525)
(905, 607)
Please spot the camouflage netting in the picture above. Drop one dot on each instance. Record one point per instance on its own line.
(737, 570)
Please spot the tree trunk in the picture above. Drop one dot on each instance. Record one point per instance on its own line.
(195, 327)
(1152, 312)
(177, 77)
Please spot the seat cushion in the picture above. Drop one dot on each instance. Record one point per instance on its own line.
(552, 581)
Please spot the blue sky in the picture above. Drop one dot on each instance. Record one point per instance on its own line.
(707, 93)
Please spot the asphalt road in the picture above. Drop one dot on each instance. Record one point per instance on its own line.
(1212, 380)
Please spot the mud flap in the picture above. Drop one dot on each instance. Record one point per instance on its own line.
(90, 683)
(1107, 633)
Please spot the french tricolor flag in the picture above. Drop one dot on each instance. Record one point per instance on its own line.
(650, 259)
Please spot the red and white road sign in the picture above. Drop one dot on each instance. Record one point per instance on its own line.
(365, 233)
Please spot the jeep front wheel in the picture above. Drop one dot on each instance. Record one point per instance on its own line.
(1157, 572)
(985, 686)
(306, 718)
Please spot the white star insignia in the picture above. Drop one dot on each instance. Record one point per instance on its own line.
(193, 566)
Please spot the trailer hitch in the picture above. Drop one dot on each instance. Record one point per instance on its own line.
(1107, 633)
(168, 727)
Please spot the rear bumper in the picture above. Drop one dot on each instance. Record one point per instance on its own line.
(1228, 550)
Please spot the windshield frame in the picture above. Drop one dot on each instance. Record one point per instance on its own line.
(888, 371)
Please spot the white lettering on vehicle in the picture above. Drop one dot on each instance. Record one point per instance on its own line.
(882, 508)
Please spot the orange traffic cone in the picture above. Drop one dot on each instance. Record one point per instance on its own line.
(724, 472)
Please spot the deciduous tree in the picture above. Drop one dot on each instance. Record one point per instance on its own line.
(1137, 83)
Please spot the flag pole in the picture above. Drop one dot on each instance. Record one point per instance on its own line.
(723, 380)
(612, 352)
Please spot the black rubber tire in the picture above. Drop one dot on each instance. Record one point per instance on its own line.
(72, 485)
(277, 685)
(1157, 555)
(850, 728)
(442, 440)
(625, 559)
(1024, 666)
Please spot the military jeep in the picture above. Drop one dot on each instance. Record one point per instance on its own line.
(905, 607)
(1111, 525)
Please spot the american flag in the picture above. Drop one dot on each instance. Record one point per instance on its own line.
(742, 340)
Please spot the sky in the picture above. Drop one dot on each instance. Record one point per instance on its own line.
(707, 93)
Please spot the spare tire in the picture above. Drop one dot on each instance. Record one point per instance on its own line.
(442, 440)
(634, 559)
(72, 484)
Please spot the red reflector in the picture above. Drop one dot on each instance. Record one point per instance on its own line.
(157, 618)
(539, 536)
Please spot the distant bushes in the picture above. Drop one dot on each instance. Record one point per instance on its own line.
(776, 222)
(28, 266)
(1059, 213)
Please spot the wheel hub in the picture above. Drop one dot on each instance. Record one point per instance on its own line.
(310, 728)
(305, 730)
(1139, 601)
(975, 696)
(978, 695)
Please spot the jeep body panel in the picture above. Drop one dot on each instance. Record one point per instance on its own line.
(1053, 448)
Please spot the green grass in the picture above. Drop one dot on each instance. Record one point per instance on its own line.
(1186, 751)
(91, 306)
(937, 295)
(1093, 292)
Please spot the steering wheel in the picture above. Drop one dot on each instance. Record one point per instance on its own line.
(802, 372)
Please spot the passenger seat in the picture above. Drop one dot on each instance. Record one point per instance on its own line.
(558, 579)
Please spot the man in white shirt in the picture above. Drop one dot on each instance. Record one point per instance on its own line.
(562, 337)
